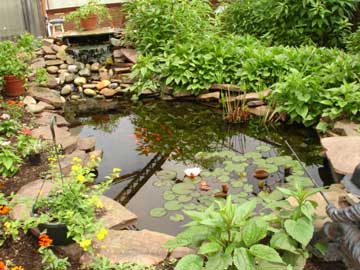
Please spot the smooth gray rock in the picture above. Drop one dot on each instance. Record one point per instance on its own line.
(73, 68)
(69, 77)
(80, 81)
(90, 92)
(28, 100)
(52, 69)
(49, 96)
(85, 72)
(66, 90)
(95, 67)
(115, 42)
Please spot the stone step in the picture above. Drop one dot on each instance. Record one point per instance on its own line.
(144, 248)
(46, 95)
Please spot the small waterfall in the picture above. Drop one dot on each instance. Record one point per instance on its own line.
(91, 53)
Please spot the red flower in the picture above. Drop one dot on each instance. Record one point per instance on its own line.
(26, 131)
(2, 265)
(44, 240)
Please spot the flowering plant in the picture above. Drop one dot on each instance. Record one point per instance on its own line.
(75, 201)
(28, 145)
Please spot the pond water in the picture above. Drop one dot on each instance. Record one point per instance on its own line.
(147, 138)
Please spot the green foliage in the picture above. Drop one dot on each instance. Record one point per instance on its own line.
(103, 263)
(52, 262)
(353, 42)
(75, 202)
(231, 236)
(152, 25)
(28, 145)
(8, 127)
(291, 22)
(92, 7)
(9, 162)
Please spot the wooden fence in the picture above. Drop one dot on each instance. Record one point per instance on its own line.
(20, 16)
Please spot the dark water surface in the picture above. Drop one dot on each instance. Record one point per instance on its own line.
(143, 139)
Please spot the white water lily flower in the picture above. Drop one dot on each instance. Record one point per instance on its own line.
(5, 116)
(192, 172)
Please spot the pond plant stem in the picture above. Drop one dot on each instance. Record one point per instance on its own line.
(306, 171)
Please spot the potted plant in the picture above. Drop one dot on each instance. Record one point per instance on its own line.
(15, 58)
(89, 15)
(71, 211)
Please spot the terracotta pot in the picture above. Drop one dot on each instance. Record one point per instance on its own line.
(89, 23)
(14, 86)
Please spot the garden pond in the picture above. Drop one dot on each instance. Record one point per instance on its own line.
(154, 142)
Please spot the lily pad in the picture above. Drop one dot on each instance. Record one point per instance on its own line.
(194, 180)
(183, 188)
(236, 184)
(218, 172)
(190, 206)
(206, 173)
(238, 158)
(195, 194)
(253, 155)
(224, 179)
(248, 188)
(162, 183)
(184, 198)
(166, 175)
(158, 212)
(176, 218)
(173, 205)
(263, 148)
(169, 195)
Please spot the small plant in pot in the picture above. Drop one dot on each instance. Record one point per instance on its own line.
(15, 60)
(89, 15)
(73, 207)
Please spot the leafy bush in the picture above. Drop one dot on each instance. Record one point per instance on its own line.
(230, 236)
(9, 162)
(152, 25)
(353, 42)
(292, 22)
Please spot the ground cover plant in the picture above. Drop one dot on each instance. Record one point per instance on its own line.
(325, 79)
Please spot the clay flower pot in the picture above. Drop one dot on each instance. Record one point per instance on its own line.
(261, 174)
(14, 86)
(89, 23)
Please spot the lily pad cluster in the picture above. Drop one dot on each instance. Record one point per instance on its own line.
(227, 168)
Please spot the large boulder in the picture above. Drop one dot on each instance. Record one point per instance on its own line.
(47, 95)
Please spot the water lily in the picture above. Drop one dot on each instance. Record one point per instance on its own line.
(5, 116)
(192, 172)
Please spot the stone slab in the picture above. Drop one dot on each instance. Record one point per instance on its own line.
(261, 110)
(209, 96)
(228, 87)
(250, 96)
(86, 144)
(346, 128)
(44, 132)
(47, 95)
(130, 54)
(139, 247)
(343, 153)
(44, 119)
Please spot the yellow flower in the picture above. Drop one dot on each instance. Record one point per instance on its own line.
(99, 204)
(17, 267)
(116, 170)
(85, 244)
(7, 225)
(75, 168)
(76, 160)
(81, 178)
(93, 157)
(101, 234)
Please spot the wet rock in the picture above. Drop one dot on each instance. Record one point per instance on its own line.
(64, 66)
(90, 92)
(35, 108)
(80, 81)
(75, 97)
(85, 72)
(343, 153)
(99, 97)
(52, 69)
(95, 67)
(66, 90)
(69, 60)
(44, 119)
(139, 247)
(50, 57)
(48, 49)
(103, 84)
(47, 95)
(56, 62)
(46, 105)
(69, 77)
(73, 68)
(115, 42)
(89, 86)
(113, 85)
(28, 100)
(108, 92)
(86, 144)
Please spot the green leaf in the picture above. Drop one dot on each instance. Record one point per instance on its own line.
(266, 253)
(191, 261)
(254, 231)
(308, 210)
(243, 260)
(210, 247)
(301, 230)
(243, 211)
(219, 261)
(280, 240)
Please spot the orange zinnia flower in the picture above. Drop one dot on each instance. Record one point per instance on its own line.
(44, 240)
(11, 102)
(18, 267)
(4, 209)
(2, 265)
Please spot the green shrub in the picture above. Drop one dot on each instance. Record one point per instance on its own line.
(353, 42)
(292, 22)
(154, 24)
